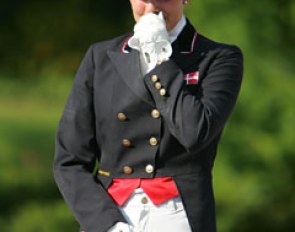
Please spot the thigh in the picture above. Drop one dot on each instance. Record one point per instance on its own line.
(170, 216)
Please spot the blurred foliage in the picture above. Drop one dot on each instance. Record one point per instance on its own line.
(57, 212)
(35, 34)
(41, 45)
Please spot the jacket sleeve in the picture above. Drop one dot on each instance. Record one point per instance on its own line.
(195, 119)
(76, 154)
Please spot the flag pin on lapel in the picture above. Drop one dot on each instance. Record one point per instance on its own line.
(191, 78)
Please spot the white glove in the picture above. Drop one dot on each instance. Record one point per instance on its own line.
(120, 227)
(152, 40)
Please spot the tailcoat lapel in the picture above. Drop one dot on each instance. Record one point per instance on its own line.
(128, 67)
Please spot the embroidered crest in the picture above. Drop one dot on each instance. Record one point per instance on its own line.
(191, 78)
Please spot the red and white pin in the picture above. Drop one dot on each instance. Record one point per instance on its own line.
(191, 78)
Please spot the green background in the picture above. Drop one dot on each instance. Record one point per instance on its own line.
(41, 45)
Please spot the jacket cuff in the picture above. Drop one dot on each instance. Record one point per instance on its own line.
(164, 82)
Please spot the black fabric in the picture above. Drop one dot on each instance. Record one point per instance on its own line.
(109, 82)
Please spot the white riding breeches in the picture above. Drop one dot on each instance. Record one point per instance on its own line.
(144, 216)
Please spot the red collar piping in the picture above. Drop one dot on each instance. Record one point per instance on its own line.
(192, 45)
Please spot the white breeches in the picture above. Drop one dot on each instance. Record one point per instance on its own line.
(144, 216)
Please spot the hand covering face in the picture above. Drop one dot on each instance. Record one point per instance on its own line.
(151, 39)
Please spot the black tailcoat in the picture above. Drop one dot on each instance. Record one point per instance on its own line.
(192, 117)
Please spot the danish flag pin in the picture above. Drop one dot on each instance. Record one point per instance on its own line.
(191, 78)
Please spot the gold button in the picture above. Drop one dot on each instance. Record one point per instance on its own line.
(127, 170)
(162, 92)
(158, 85)
(155, 113)
(144, 200)
(149, 169)
(126, 143)
(153, 141)
(154, 78)
(122, 117)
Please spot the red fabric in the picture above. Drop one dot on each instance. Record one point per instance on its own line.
(159, 189)
(191, 78)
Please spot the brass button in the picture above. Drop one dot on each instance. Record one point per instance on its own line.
(162, 92)
(158, 85)
(154, 78)
(126, 143)
(155, 113)
(127, 170)
(153, 141)
(144, 200)
(149, 169)
(122, 117)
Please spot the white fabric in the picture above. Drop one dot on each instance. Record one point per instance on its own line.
(152, 40)
(169, 216)
(174, 33)
(121, 227)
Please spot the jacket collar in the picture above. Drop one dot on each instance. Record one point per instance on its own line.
(188, 49)
(186, 41)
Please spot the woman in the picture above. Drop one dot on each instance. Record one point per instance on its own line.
(150, 106)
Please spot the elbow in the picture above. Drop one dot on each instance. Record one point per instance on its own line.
(200, 136)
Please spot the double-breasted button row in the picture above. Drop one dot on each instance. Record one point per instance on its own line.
(149, 169)
(155, 114)
(127, 143)
(158, 85)
(122, 117)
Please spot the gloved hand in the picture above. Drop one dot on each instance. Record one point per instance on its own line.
(152, 39)
(121, 227)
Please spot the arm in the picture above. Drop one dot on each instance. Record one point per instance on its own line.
(195, 119)
(76, 154)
